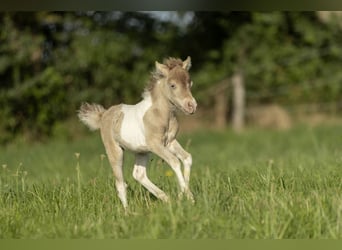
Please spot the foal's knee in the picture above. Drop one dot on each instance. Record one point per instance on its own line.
(175, 164)
(188, 160)
(138, 174)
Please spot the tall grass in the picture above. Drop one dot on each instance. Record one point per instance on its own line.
(260, 184)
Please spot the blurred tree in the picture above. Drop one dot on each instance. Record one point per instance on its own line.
(293, 55)
(288, 57)
(29, 89)
(50, 62)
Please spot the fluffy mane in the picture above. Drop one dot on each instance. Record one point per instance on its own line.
(171, 63)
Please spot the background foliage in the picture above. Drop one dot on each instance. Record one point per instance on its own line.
(50, 62)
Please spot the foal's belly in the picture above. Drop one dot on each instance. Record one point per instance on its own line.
(132, 138)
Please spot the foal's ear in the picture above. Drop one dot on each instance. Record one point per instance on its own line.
(187, 63)
(162, 69)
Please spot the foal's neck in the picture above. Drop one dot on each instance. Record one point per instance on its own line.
(160, 103)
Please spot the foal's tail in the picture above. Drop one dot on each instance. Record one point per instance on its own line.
(90, 115)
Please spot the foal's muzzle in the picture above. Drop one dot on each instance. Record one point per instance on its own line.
(190, 106)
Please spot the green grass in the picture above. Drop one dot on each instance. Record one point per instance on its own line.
(260, 184)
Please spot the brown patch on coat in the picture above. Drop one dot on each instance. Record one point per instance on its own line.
(112, 118)
(180, 76)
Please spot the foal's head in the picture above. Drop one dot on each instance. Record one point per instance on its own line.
(175, 83)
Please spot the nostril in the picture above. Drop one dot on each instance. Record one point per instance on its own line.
(191, 106)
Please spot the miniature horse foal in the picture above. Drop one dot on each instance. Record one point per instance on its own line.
(148, 126)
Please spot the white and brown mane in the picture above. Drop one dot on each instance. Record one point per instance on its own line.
(148, 126)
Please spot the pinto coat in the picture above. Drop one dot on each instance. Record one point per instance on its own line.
(148, 126)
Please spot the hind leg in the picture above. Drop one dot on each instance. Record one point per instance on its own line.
(139, 174)
(115, 156)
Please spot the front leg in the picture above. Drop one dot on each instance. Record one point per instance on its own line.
(184, 156)
(165, 153)
(159, 130)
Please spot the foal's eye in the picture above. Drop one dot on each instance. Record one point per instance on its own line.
(173, 86)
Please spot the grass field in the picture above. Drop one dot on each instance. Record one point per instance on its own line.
(260, 184)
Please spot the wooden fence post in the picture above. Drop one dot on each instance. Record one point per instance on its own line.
(221, 105)
(238, 119)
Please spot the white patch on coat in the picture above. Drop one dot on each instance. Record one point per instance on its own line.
(132, 131)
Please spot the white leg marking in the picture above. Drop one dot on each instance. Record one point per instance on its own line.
(121, 188)
(187, 168)
(139, 174)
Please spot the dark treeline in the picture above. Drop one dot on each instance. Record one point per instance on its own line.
(50, 62)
